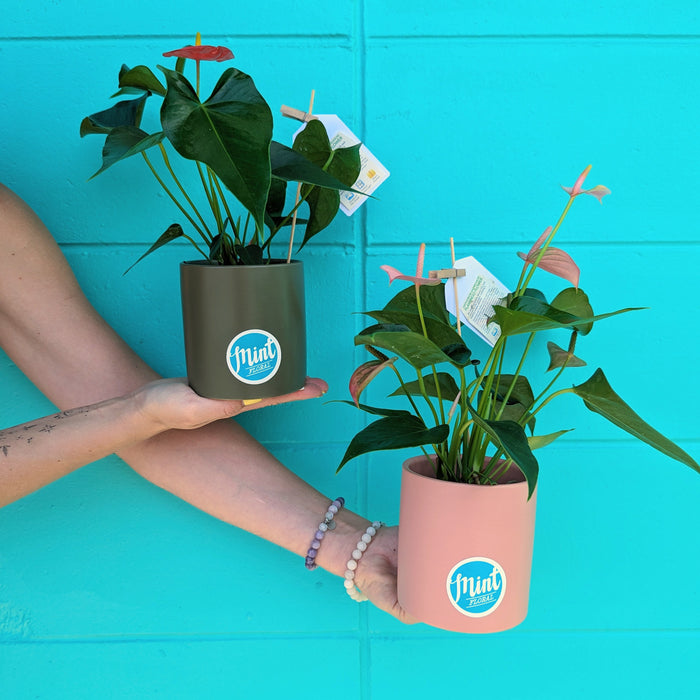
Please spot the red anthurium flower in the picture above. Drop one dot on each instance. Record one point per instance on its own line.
(599, 191)
(202, 53)
(554, 260)
(418, 280)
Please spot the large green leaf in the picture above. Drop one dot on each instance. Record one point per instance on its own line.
(575, 301)
(293, 167)
(446, 384)
(511, 438)
(230, 132)
(412, 347)
(432, 299)
(529, 315)
(124, 113)
(599, 397)
(442, 334)
(125, 141)
(343, 163)
(393, 433)
(324, 203)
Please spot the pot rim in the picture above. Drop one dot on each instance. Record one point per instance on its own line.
(274, 262)
(519, 483)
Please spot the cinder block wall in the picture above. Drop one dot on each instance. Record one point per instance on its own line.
(111, 588)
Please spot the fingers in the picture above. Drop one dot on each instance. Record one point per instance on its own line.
(312, 389)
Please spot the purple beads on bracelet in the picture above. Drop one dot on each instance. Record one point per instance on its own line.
(327, 524)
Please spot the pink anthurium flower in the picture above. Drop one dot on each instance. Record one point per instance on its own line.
(554, 260)
(599, 191)
(418, 280)
(364, 374)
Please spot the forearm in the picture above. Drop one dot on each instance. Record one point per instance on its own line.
(37, 453)
(222, 470)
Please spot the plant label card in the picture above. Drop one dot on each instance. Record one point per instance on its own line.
(477, 293)
(372, 172)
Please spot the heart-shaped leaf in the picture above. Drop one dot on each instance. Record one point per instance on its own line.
(393, 433)
(126, 141)
(141, 78)
(575, 302)
(124, 113)
(522, 317)
(412, 347)
(599, 397)
(230, 132)
(448, 389)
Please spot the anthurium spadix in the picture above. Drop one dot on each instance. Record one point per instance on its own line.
(480, 417)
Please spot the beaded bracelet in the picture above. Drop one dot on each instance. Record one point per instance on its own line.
(352, 590)
(327, 524)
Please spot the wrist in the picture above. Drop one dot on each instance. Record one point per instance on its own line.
(338, 547)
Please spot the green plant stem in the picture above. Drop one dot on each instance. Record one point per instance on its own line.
(523, 285)
(179, 185)
(176, 201)
(528, 345)
(406, 392)
(222, 197)
(425, 335)
(286, 219)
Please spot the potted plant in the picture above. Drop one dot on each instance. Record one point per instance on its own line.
(468, 501)
(243, 309)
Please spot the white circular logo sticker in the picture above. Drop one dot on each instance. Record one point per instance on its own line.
(476, 586)
(254, 356)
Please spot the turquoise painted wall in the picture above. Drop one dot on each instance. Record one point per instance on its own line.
(111, 588)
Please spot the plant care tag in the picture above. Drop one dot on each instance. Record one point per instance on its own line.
(478, 291)
(372, 172)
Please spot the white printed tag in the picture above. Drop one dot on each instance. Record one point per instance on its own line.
(477, 293)
(372, 172)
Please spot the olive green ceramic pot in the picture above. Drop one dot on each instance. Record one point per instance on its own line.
(244, 327)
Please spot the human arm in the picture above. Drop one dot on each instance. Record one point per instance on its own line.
(38, 452)
(218, 468)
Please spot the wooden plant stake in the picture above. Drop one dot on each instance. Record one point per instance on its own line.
(303, 117)
(451, 273)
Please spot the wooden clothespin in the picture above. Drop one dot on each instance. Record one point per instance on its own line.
(297, 113)
(302, 117)
(447, 273)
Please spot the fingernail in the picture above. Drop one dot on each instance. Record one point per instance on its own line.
(248, 402)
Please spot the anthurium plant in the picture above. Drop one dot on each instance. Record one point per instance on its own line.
(479, 418)
(242, 174)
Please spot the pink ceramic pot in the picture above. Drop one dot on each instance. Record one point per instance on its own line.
(465, 551)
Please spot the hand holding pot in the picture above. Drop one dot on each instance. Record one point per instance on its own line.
(376, 574)
(172, 404)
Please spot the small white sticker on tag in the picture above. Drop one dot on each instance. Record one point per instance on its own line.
(372, 172)
(477, 293)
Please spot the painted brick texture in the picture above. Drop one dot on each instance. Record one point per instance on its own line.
(111, 588)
